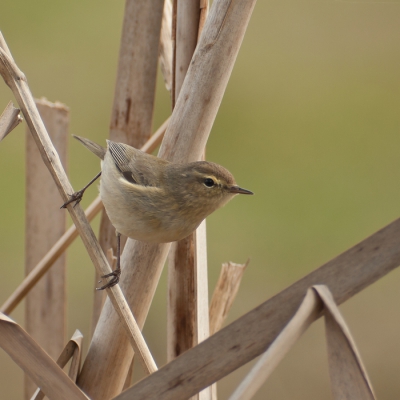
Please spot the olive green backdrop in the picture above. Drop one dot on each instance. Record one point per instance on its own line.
(310, 122)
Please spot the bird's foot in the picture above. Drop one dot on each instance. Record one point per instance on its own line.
(77, 197)
(115, 279)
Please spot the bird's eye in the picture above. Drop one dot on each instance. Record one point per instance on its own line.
(209, 182)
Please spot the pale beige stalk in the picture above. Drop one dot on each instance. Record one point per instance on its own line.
(187, 27)
(16, 80)
(187, 312)
(109, 355)
(165, 51)
(45, 306)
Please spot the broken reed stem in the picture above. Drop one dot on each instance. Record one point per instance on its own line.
(17, 82)
(9, 119)
(222, 299)
(72, 350)
(30, 357)
(69, 236)
(224, 293)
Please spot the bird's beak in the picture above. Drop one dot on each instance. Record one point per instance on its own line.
(239, 190)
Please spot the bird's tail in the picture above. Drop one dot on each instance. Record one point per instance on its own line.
(93, 147)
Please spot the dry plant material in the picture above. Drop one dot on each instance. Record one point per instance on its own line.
(187, 27)
(250, 335)
(109, 356)
(72, 350)
(45, 307)
(201, 283)
(224, 293)
(29, 356)
(348, 376)
(69, 236)
(181, 298)
(204, 6)
(9, 119)
(99, 297)
(187, 313)
(165, 52)
(17, 82)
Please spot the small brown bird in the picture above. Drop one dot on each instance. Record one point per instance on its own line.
(153, 200)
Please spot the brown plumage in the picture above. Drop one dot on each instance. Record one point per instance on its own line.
(154, 200)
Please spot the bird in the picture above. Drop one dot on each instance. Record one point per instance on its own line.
(154, 200)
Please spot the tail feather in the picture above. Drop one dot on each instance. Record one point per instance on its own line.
(93, 147)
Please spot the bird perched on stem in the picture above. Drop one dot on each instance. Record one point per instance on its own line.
(153, 200)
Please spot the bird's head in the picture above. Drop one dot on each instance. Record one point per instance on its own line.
(204, 186)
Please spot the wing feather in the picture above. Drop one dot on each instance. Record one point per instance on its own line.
(135, 166)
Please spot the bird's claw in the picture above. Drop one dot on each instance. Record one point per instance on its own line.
(115, 274)
(77, 197)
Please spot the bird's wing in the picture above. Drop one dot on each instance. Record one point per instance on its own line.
(136, 166)
(92, 146)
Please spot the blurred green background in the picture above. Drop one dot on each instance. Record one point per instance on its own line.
(309, 122)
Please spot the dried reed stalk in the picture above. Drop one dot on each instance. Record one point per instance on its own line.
(69, 236)
(165, 51)
(72, 350)
(251, 334)
(202, 326)
(9, 119)
(204, 6)
(181, 298)
(45, 307)
(134, 95)
(29, 356)
(16, 80)
(187, 27)
(109, 355)
(187, 265)
(188, 322)
(224, 293)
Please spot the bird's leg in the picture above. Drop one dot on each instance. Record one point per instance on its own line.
(117, 271)
(77, 196)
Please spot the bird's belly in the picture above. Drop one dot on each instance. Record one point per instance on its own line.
(137, 219)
